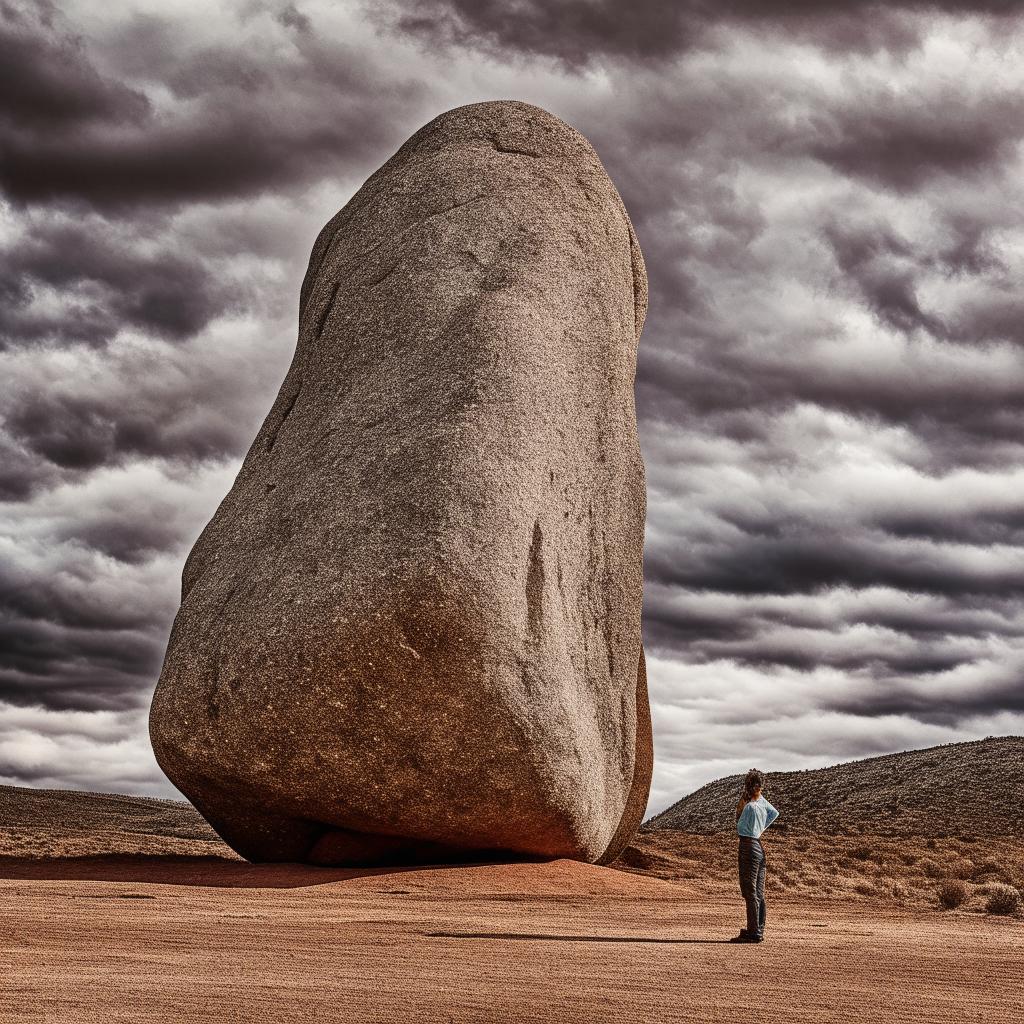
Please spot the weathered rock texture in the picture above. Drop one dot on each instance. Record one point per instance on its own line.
(411, 631)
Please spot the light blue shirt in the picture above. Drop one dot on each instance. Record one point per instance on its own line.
(755, 817)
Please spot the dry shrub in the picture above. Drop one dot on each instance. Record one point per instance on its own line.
(1003, 899)
(952, 893)
(988, 867)
(898, 869)
(962, 868)
(931, 844)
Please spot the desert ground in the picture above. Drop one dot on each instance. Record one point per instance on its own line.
(147, 938)
(117, 908)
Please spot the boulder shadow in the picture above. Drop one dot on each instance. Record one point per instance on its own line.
(210, 871)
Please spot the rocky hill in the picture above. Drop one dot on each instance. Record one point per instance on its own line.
(62, 823)
(957, 789)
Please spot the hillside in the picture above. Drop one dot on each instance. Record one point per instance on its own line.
(67, 823)
(957, 789)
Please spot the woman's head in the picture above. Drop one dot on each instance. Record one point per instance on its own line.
(753, 783)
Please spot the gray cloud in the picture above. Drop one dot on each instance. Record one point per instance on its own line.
(576, 32)
(105, 283)
(830, 385)
(234, 121)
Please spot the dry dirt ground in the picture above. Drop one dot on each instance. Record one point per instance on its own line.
(185, 938)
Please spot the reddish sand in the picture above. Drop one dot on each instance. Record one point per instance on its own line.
(190, 939)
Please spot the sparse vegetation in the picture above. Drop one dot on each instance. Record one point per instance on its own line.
(953, 893)
(1002, 899)
(961, 868)
(904, 870)
(986, 869)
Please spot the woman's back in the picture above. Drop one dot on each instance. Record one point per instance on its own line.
(755, 817)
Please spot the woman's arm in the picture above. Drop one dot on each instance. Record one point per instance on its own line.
(772, 815)
(739, 808)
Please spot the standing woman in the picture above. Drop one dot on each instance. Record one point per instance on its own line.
(753, 815)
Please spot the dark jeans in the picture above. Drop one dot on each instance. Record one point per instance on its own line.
(752, 864)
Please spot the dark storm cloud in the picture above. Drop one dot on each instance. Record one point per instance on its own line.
(50, 603)
(46, 79)
(21, 472)
(83, 431)
(940, 279)
(576, 31)
(888, 269)
(782, 560)
(882, 266)
(291, 17)
(105, 283)
(42, 663)
(947, 409)
(240, 124)
(1001, 692)
(901, 144)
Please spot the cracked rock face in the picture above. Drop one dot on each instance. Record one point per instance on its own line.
(411, 631)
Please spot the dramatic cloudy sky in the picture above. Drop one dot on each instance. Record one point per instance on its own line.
(830, 198)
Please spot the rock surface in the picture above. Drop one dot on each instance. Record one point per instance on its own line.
(411, 631)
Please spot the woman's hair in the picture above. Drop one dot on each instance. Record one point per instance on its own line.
(754, 780)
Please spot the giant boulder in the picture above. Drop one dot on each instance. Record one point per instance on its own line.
(411, 630)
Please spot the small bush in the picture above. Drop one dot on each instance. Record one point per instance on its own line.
(865, 888)
(988, 867)
(931, 844)
(952, 893)
(863, 851)
(1003, 899)
(933, 869)
(900, 891)
(962, 868)
(908, 858)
